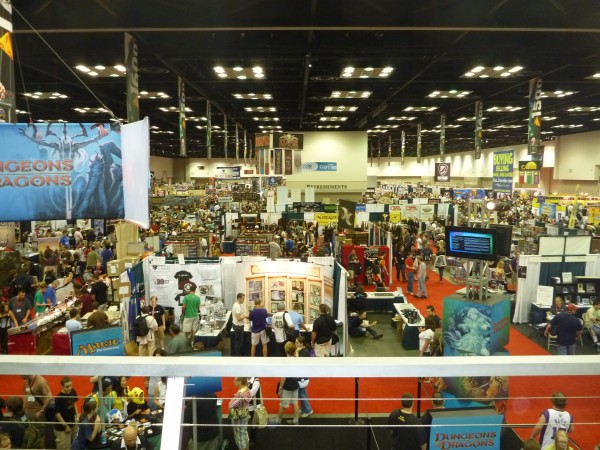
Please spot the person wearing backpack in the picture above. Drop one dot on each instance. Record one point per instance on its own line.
(145, 326)
(283, 328)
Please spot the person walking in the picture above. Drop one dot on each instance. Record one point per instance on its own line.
(303, 351)
(322, 332)
(421, 277)
(238, 315)
(400, 263)
(65, 408)
(410, 273)
(239, 413)
(258, 320)
(440, 263)
(146, 343)
(406, 429)
(553, 419)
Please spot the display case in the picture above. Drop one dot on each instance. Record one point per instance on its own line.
(588, 289)
(298, 293)
(314, 299)
(277, 293)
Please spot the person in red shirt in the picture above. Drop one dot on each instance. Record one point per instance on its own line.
(410, 273)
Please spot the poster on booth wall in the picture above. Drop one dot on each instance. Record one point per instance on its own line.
(171, 282)
(426, 213)
(60, 171)
(395, 213)
(410, 212)
(7, 235)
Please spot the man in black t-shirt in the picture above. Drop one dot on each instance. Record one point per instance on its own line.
(158, 312)
(65, 410)
(405, 434)
(322, 332)
(99, 290)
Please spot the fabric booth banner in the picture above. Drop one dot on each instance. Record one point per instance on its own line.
(103, 342)
(57, 171)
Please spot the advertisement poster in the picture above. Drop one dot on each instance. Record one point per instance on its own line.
(410, 212)
(346, 215)
(228, 173)
(289, 162)
(292, 141)
(503, 172)
(60, 171)
(7, 235)
(395, 213)
(426, 212)
(104, 342)
(442, 172)
(464, 428)
(529, 172)
(278, 161)
(172, 282)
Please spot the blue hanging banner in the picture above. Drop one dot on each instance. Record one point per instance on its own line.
(60, 171)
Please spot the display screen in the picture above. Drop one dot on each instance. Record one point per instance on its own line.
(471, 243)
(504, 241)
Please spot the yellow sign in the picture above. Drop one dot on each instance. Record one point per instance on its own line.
(326, 218)
(395, 213)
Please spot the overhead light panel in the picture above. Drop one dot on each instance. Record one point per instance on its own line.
(572, 125)
(350, 94)
(468, 119)
(266, 119)
(509, 127)
(584, 109)
(556, 94)
(174, 109)
(333, 119)
(87, 110)
(153, 95)
(420, 108)
(38, 95)
(195, 119)
(253, 96)
(379, 130)
(328, 126)
(492, 72)
(386, 126)
(270, 127)
(102, 71)
(261, 109)
(402, 118)
(366, 72)
(595, 76)
(504, 108)
(453, 93)
(240, 73)
(157, 131)
(341, 108)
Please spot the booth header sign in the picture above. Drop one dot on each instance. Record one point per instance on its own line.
(503, 172)
(60, 171)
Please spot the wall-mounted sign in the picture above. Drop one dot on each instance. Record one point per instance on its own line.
(228, 173)
(319, 167)
(442, 172)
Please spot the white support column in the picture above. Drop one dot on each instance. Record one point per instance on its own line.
(173, 414)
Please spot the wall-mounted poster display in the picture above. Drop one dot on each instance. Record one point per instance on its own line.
(276, 293)
(298, 293)
(255, 289)
(314, 299)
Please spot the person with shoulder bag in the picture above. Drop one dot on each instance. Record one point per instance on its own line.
(440, 264)
(259, 417)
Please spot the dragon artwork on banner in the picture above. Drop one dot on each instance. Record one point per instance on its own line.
(60, 171)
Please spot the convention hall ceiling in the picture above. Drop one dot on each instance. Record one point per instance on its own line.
(378, 65)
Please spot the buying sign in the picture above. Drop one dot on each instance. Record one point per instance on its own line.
(503, 171)
(442, 172)
(319, 167)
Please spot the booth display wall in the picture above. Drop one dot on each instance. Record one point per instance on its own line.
(366, 256)
(287, 282)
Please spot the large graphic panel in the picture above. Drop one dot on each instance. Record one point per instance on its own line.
(60, 171)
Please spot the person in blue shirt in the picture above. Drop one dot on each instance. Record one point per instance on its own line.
(50, 294)
(106, 255)
(297, 319)
(64, 241)
(73, 324)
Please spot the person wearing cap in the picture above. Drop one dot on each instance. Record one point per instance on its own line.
(137, 406)
(568, 329)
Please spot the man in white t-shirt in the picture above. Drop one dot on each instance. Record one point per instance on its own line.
(238, 315)
(278, 329)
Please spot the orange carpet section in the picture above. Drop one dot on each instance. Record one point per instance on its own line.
(380, 395)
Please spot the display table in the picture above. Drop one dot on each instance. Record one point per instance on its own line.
(35, 337)
(61, 344)
(210, 332)
(409, 331)
(382, 301)
(538, 313)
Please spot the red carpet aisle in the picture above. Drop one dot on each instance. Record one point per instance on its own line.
(523, 408)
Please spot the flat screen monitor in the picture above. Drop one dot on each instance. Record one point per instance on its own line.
(504, 241)
(471, 243)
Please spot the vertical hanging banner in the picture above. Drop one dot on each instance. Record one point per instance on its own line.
(371, 152)
(389, 149)
(346, 215)
(529, 172)
(442, 135)
(478, 128)
(245, 146)
(237, 144)
(419, 143)
(182, 130)
(503, 172)
(278, 161)
(61, 171)
(288, 162)
(534, 131)
(402, 147)
(7, 72)
(378, 151)
(294, 141)
(208, 131)
(225, 136)
(442, 172)
(131, 79)
(297, 162)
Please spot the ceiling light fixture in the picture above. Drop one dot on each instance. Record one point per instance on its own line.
(350, 94)
(102, 71)
(449, 94)
(497, 71)
(366, 72)
(240, 73)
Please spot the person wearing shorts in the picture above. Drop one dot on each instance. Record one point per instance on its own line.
(258, 320)
(288, 391)
(190, 309)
